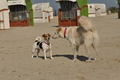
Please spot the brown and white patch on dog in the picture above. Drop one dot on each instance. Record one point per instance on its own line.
(59, 29)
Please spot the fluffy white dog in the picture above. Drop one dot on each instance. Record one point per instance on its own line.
(86, 34)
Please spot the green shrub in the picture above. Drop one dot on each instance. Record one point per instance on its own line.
(113, 9)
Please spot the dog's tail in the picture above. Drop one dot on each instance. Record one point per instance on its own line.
(85, 23)
(38, 39)
(88, 25)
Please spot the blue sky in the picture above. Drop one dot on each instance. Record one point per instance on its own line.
(109, 3)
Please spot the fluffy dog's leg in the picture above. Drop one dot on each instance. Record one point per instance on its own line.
(96, 56)
(96, 43)
(75, 52)
(77, 48)
(88, 51)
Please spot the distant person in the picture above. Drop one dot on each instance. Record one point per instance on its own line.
(55, 13)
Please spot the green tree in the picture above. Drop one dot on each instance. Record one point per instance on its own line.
(118, 1)
(113, 9)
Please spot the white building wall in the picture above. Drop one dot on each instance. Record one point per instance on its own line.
(50, 9)
(4, 15)
(91, 10)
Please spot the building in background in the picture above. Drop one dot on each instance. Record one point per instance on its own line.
(21, 13)
(70, 11)
(42, 12)
(96, 10)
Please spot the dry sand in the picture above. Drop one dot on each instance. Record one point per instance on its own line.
(16, 62)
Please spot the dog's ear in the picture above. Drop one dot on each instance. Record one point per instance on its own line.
(59, 29)
(49, 35)
(43, 35)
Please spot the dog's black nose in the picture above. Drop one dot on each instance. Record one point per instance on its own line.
(53, 37)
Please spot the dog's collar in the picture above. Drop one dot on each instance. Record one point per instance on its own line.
(47, 43)
(65, 32)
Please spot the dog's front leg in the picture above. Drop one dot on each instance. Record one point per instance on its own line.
(51, 54)
(45, 54)
(38, 53)
(33, 52)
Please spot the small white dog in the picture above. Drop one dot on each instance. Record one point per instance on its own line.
(45, 45)
(86, 34)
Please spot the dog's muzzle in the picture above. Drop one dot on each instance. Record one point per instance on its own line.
(54, 37)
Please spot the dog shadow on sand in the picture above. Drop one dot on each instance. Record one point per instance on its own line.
(81, 58)
(39, 57)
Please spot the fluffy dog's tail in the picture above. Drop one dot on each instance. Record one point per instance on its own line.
(38, 39)
(85, 23)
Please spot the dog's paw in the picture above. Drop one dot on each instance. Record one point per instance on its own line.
(88, 61)
(74, 60)
(95, 59)
(45, 58)
(51, 58)
(37, 57)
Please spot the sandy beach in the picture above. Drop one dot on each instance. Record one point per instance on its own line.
(16, 62)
